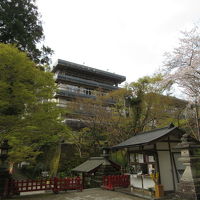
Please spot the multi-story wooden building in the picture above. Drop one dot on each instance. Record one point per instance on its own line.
(75, 80)
(79, 81)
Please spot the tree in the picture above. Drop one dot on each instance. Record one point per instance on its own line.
(20, 24)
(149, 108)
(95, 117)
(119, 115)
(28, 116)
(113, 118)
(145, 107)
(182, 67)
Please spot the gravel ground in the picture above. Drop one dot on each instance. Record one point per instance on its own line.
(88, 194)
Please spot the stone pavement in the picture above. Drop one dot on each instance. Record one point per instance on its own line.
(88, 194)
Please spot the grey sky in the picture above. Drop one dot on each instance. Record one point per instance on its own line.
(127, 37)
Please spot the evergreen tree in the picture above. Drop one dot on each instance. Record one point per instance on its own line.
(28, 116)
(20, 24)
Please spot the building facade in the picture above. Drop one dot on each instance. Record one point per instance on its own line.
(154, 152)
(79, 81)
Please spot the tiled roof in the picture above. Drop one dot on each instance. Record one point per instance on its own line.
(84, 68)
(148, 137)
(89, 165)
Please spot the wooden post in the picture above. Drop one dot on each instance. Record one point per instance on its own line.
(172, 166)
(55, 185)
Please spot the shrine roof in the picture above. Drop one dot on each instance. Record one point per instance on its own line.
(89, 165)
(93, 163)
(149, 137)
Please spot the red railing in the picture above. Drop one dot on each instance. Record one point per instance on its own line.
(111, 182)
(54, 184)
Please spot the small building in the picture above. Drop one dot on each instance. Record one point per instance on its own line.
(93, 170)
(154, 151)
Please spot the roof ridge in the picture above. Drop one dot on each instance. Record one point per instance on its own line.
(157, 129)
(90, 68)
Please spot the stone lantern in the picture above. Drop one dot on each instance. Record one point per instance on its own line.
(189, 185)
(106, 152)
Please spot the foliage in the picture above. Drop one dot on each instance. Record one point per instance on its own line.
(119, 115)
(182, 67)
(20, 24)
(94, 117)
(120, 157)
(28, 116)
(149, 108)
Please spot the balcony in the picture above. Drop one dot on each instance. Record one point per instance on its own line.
(73, 94)
(81, 81)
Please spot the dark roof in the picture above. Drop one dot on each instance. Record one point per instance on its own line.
(84, 68)
(90, 164)
(149, 137)
(95, 162)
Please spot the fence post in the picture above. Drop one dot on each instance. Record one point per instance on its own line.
(79, 183)
(55, 185)
(110, 182)
(103, 181)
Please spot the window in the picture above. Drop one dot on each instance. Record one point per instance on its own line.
(142, 163)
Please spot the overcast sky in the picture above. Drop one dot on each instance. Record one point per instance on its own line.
(127, 37)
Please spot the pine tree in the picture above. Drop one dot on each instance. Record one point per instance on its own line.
(20, 24)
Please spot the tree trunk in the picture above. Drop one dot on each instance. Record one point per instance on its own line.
(55, 161)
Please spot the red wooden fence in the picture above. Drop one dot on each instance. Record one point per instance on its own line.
(54, 184)
(111, 182)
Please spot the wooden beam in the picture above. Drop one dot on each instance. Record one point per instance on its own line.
(171, 141)
(171, 161)
(177, 177)
(157, 162)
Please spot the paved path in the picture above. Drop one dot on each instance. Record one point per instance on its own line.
(89, 194)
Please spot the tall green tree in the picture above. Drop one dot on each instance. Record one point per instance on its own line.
(20, 24)
(150, 108)
(142, 107)
(28, 116)
(113, 118)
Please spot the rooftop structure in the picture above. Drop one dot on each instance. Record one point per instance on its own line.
(149, 137)
(75, 80)
(88, 73)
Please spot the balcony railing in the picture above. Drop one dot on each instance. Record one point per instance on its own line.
(85, 82)
(72, 94)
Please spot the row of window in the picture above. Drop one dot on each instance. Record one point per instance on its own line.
(80, 90)
(141, 158)
(86, 76)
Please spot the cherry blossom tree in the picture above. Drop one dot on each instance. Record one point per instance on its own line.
(182, 67)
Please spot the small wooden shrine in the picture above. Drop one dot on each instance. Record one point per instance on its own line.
(93, 170)
(151, 152)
